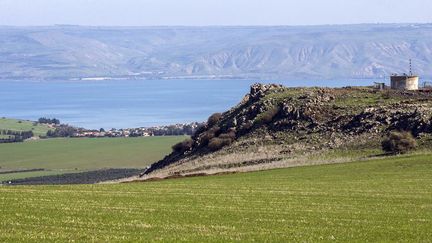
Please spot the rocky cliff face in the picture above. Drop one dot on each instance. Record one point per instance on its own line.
(279, 126)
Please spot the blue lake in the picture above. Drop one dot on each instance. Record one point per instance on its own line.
(130, 103)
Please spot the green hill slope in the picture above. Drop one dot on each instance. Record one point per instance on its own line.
(21, 126)
(59, 156)
(383, 200)
(86, 153)
(276, 126)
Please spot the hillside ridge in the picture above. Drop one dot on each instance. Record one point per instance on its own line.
(276, 126)
(284, 52)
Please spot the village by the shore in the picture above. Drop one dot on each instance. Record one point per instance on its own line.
(186, 129)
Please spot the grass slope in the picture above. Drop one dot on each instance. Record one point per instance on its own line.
(20, 125)
(381, 200)
(84, 154)
(23, 175)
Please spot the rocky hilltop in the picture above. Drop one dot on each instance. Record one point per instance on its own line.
(274, 126)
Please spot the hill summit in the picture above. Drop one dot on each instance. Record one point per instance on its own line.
(275, 126)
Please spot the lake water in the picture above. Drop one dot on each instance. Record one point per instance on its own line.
(130, 103)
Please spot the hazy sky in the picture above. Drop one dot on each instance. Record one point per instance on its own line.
(212, 12)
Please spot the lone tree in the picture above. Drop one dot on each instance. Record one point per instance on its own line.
(399, 143)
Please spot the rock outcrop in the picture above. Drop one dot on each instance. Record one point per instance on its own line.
(275, 123)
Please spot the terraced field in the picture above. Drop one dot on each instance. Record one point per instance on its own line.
(382, 200)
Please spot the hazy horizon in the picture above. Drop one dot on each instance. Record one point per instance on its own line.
(147, 13)
(210, 26)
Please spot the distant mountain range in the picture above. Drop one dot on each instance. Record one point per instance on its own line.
(307, 52)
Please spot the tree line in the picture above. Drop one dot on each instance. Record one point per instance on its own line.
(62, 131)
(44, 120)
(15, 136)
(174, 130)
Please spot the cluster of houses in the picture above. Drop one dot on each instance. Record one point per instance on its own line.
(138, 132)
(171, 130)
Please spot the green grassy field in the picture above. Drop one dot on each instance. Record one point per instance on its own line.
(23, 175)
(81, 154)
(384, 200)
(19, 125)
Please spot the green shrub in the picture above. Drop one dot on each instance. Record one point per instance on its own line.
(218, 143)
(231, 135)
(184, 146)
(247, 126)
(209, 135)
(206, 137)
(268, 115)
(399, 143)
(214, 119)
(199, 130)
(223, 140)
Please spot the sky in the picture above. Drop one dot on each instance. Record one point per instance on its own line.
(212, 12)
